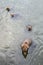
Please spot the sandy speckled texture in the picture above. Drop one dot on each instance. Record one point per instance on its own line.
(13, 31)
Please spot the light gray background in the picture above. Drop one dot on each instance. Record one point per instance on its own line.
(13, 31)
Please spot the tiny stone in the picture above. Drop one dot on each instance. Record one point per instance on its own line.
(12, 15)
(29, 28)
(8, 9)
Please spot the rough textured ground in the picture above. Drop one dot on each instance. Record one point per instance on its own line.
(13, 31)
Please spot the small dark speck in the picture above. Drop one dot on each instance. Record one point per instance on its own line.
(15, 16)
(8, 9)
(12, 15)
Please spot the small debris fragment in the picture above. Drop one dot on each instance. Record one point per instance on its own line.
(8, 9)
(12, 15)
(25, 46)
(29, 27)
